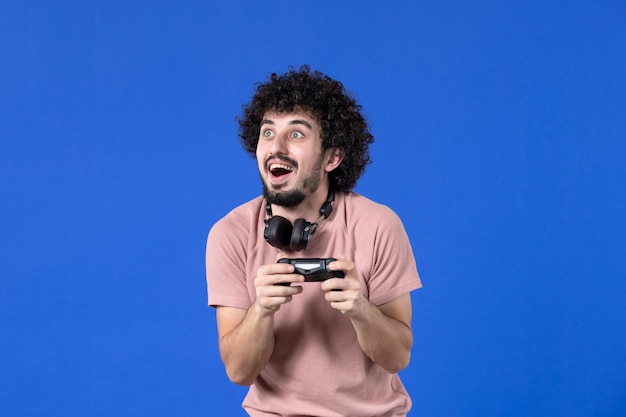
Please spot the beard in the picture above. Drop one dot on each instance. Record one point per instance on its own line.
(295, 196)
(289, 198)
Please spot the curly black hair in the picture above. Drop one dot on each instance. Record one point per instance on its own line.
(336, 111)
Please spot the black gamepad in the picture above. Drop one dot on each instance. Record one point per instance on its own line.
(313, 269)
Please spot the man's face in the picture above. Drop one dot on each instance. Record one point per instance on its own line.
(290, 157)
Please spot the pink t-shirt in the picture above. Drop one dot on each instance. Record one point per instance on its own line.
(317, 367)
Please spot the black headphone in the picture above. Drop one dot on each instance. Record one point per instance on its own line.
(281, 234)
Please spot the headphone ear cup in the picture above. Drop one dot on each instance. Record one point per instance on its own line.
(299, 235)
(278, 231)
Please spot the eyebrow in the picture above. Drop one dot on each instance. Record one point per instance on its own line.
(291, 122)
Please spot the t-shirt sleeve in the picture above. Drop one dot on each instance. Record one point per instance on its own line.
(226, 266)
(394, 272)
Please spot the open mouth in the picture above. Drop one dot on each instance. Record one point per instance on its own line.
(280, 170)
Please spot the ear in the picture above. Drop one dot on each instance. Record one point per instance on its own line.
(334, 156)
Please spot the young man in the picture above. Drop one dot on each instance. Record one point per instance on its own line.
(329, 348)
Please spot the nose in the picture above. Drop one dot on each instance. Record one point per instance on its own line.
(278, 145)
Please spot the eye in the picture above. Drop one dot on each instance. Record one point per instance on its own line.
(268, 133)
(297, 135)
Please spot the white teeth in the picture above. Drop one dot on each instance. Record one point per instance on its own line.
(280, 166)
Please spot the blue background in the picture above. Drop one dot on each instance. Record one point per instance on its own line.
(500, 141)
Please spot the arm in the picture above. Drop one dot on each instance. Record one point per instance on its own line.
(246, 337)
(384, 333)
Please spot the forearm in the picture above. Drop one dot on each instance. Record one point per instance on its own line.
(247, 337)
(385, 340)
(246, 349)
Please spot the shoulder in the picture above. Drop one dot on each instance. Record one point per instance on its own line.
(363, 209)
(241, 216)
(369, 221)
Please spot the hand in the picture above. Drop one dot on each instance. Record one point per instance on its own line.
(269, 295)
(344, 294)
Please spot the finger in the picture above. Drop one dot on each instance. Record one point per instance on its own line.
(341, 264)
(340, 257)
(345, 265)
(278, 291)
(286, 279)
(270, 277)
(334, 296)
(333, 284)
(274, 268)
(274, 303)
(343, 307)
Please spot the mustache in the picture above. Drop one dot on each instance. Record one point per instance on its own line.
(281, 158)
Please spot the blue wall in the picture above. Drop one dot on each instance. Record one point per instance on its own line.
(501, 142)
